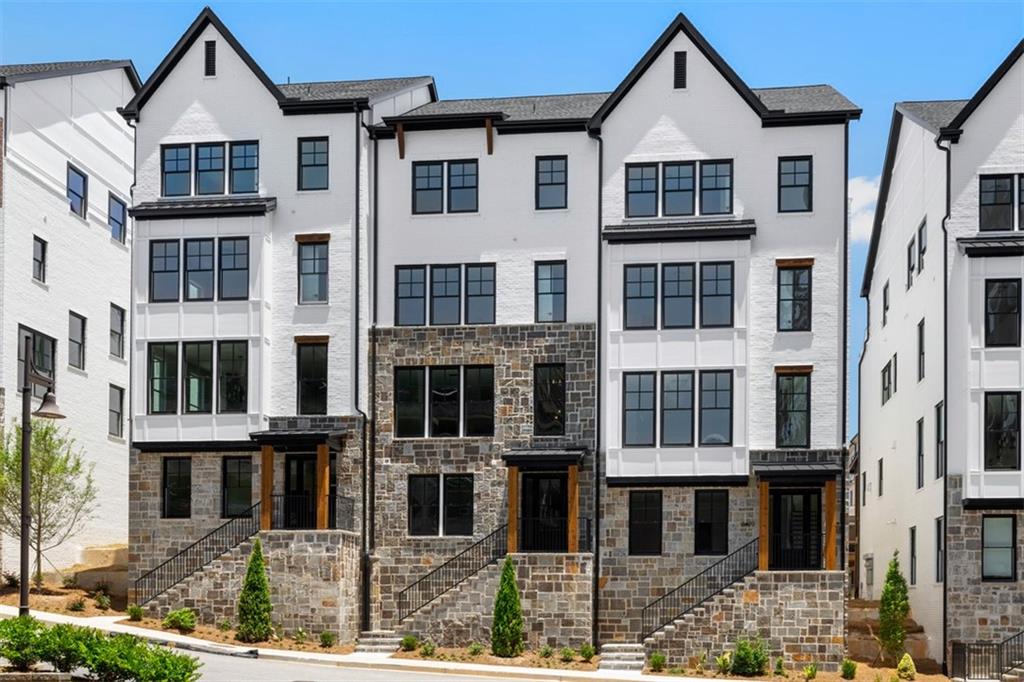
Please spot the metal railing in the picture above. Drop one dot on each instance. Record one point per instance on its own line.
(551, 534)
(987, 660)
(459, 568)
(699, 589)
(793, 551)
(197, 555)
(297, 511)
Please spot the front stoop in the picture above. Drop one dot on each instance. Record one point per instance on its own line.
(378, 641)
(622, 656)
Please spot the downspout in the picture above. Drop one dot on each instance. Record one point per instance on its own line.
(131, 291)
(843, 558)
(596, 602)
(364, 573)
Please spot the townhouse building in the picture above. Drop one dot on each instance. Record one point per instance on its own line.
(65, 272)
(940, 473)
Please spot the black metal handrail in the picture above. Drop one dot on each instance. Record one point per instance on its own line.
(795, 551)
(459, 568)
(698, 589)
(551, 534)
(201, 552)
(987, 660)
(297, 511)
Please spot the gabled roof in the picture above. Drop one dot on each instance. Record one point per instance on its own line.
(579, 106)
(954, 128)
(368, 90)
(933, 115)
(776, 106)
(17, 73)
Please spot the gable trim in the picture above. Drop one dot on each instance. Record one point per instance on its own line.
(954, 130)
(883, 196)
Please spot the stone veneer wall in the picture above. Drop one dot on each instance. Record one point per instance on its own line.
(978, 611)
(513, 350)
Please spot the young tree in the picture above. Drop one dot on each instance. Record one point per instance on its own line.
(893, 610)
(507, 629)
(63, 495)
(254, 602)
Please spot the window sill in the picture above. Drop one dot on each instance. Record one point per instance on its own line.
(682, 216)
(120, 244)
(306, 192)
(542, 211)
(313, 304)
(796, 214)
(120, 359)
(79, 371)
(444, 214)
(41, 284)
(120, 440)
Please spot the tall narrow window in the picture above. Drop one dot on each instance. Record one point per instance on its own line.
(678, 189)
(678, 295)
(1002, 312)
(638, 409)
(794, 306)
(76, 340)
(197, 368)
(795, 194)
(313, 272)
(312, 163)
(38, 259)
(424, 504)
(881, 476)
(1002, 431)
(885, 304)
(44, 355)
(895, 372)
(176, 170)
(116, 331)
(163, 271)
(641, 296)
(462, 186)
(163, 378)
(117, 216)
(715, 187)
(679, 70)
(210, 61)
(427, 187)
(236, 486)
(245, 167)
(940, 440)
(996, 202)
(999, 548)
(716, 408)
(480, 294)
(549, 400)
(793, 410)
(209, 169)
(444, 402)
(922, 244)
(478, 408)
(711, 522)
(641, 190)
(234, 269)
(312, 372)
(444, 294)
(549, 287)
(198, 269)
(177, 487)
(920, 452)
(115, 411)
(78, 191)
(920, 350)
(913, 555)
(552, 182)
(232, 376)
(911, 262)
(410, 406)
(886, 382)
(716, 290)
(940, 550)
(458, 504)
(645, 522)
(410, 295)
(677, 408)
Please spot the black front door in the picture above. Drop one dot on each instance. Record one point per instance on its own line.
(795, 530)
(545, 515)
(299, 508)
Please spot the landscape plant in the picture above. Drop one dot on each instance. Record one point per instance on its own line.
(77, 604)
(300, 636)
(810, 671)
(568, 655)
(135, 612)
(254, 607)
(409, 643)
(849, 669)
(545, 651)
(587, 651)
(182, 620)
(224, 625)
(893, 611)
(507, 628)
(750, 658)
(475, 649)
(723, 663)
(428, 649)
(905, 669)
(19, 642)
(327, 639)
(102, 601)
(657, 661)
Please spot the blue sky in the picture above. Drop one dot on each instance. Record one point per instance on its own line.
(874, 52)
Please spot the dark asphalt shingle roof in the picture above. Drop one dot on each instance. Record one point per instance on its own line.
(53, 67)
(357, 89)
(935, 114)
(804, 99)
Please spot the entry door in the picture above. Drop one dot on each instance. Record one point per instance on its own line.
(545, 520)
(300, 490)
(795, 530)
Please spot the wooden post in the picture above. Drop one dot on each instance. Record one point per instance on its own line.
(830, 525)
(574, 508)
(763, 527)
(490, 136)
(323, 485)
(513, 509)
(266, 486)
(400, 135)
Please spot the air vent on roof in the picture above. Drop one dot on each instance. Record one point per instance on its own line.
(211, 57)
(679, 73)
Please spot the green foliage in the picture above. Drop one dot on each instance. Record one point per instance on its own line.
(567, 654)
(102, 587)
(134, 612)
(102, 601)
(723, 663)
(116, 658)
(893, 610)
(224, 625)
(780, 667)
(182, 620)
(300, 636)
(327, 639)
(546, 651)
(254, 606)
(62, 646)
(751, 657)
(587, 651)
(507, 628)
(810, 671)
(475, 649)
(155, 664)
(12, 579)
(19, 641)
(906, 670)
(657, 661)
(702, 662)
(849, 669)
(428, 649)
(69, 581)
(410, 643)
(77, 604)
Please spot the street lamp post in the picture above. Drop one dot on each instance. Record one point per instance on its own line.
(47, 409)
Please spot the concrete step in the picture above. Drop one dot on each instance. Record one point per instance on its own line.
(622, 656)
(615, 665)
(378, 641)
(614, 647)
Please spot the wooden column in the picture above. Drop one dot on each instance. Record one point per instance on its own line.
(830, 525)
(574, 508)
(489, 127)
(323, 485)
(764, 525)
(400, 135)
(266, 486)
(513, 509)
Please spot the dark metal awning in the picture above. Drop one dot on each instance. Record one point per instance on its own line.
(993, 246)
(797, 470)
(700, 229)
(214, 207)
(543, 457)
(298, 438)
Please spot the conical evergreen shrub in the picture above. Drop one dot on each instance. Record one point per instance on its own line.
(893, 610)
(507, 629)
(254, 602)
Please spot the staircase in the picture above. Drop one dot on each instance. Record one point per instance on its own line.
(378, 642)
(460, 615)
(622, 656)
(986, 661)
(212, 591)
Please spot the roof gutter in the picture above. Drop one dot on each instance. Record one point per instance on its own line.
(595, 608)
(948, 151)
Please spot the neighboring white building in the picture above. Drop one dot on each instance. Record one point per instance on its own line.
(942, 367)
(65, 266)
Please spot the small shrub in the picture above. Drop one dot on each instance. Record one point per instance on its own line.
(475, 649)
(428, 649)
(751, 657)
(102, 587)
(102, 601)
(65, 646)
(77, 604)
(587, 651)
(300, 636)
(134, 612)
(894, 678)
(327, 639)
(810, 671)
(410, 643)
(182, 620)
(545, 651)
(657, 661)
(723, 663)
(893, 610)
(156, 664)
(567, 655)
(849, 669)
(254, 606)
(115, 658)
(12, 579)
(507, 624)
(906, 670)
(19, 641)
(702, 662)
(69, 581)
(780, 667)
(224, 625)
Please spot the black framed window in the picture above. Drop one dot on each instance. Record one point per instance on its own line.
(679, 70)
(716, 285)
(245, 167)
(920, 453)
(640, 296)
(913, 555)
(716, 407)
(177, 487)
(410, 402)
(117, 217)
(232, 376)
(424, 504)
(920, 351)
(176, 170)
(410, 295)
(922, 244)
(458, 504)
(678, 189)
(427, 187)
(480, 294)
(197, 376)
(38, 259)
(549, 288)
(233, 279)
(794, 306)
(715, 187)
(677, 408)
(678, 295)
(44, 356)
(236, 486)
(863, 488)
(999, 548)
(462, 186)
(115, 411)
(78, 191)
(940, 550)
(641, 190)
(199, 270)
(116, 331)
(1002, 312)
(210, 58)
(886, 382)
(163, 270)
(793, 410)
(795, 184)
(313, 156)
(313, 272)
(881, 476)
(552, 182)
(549, 400)
(637, 409)
(445, 287)
(444, 402)
(996, 200)
(1002, 431)
(478, 396)
(940, 440)
(911, 262)
(312, 373)
(210, 168)
(885, 304)
(76, 340)
(645, 522)
(711, 522)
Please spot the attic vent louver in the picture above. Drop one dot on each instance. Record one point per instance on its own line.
(679, 72)
(211, 58)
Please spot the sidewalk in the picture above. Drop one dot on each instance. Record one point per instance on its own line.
(370, 661)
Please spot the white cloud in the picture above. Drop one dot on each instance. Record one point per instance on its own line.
(863, 196)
